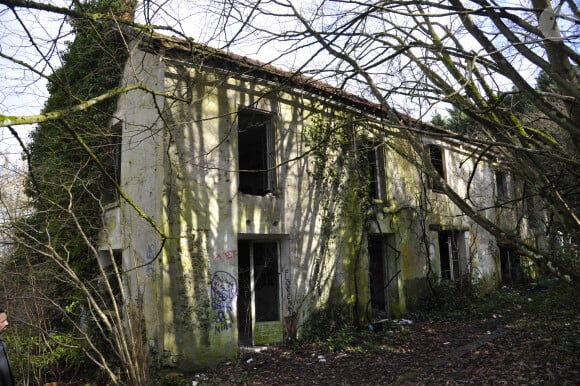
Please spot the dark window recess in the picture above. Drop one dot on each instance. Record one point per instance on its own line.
(111, 158)
(501, 186)
(112, 262)
(256, 153)
(375, 157)
(113, 279)
(438, 162)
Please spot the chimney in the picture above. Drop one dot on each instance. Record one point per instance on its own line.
(127, 13)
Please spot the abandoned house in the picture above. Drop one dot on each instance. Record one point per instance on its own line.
(281, 198)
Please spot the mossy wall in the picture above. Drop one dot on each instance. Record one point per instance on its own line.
(184, 172)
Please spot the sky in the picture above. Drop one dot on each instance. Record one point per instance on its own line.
(22, 92)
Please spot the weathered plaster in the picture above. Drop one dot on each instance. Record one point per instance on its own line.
(179, 164)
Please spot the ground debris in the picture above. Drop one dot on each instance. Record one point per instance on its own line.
(528, 343)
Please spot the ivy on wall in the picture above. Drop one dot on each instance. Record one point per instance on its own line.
(341, 172)
(68, 189)
(63, 180)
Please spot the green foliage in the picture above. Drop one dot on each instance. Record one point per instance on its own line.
(325, 140)
(341, 151)
(332, 330)
(545, 83)
(514, 102)
(336, 145)
(452, 299)
(553, 318)
(340, 340)
(438, 120)
(543, 184)
(173, 378)
(547, 312)
(66, 186)
(331, 326)
(521, 334)
(56, 349)
(48, 357)
(457, 121)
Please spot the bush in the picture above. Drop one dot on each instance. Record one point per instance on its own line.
(42, 357)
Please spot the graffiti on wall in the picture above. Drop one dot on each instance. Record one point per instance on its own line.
(290, 319)
(288, 288)
(224, 289)
(226, 255)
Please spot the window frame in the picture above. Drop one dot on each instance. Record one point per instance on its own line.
(501, 186)
(111, 194)
(262, 120)
(377, 181)
(437, 154)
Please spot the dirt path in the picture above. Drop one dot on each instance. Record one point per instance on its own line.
(528, 343)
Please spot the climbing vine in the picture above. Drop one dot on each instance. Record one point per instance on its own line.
(62, 174)
(73, 161)
(340, 168)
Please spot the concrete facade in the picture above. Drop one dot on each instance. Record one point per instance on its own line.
(258, 200)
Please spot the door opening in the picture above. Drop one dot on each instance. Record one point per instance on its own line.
(377, 272)
(383, 274)
(259, 293)
(449, 255)
(511, 270)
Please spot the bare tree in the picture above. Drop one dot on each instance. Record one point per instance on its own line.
(414, 57)
(411, 58)
(68, 296)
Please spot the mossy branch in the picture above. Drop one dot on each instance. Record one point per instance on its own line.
(6, 120)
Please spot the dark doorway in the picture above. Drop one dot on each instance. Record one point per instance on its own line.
(377, 272)
(259, 286)
(244, 293)
(266, 282)
(511, 269)
(449, 255)
(383, 272)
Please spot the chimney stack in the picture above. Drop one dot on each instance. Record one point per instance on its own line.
(128, 11)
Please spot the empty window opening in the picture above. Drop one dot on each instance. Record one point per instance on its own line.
(112, 264)
(256, 156)
(438, 161)
(111, 159)
(501, 186)
(376, 159)
(449, 255)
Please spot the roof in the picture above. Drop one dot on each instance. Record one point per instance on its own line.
(188, 49)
